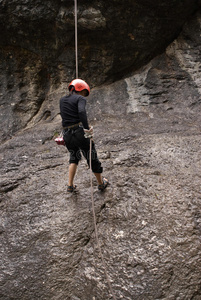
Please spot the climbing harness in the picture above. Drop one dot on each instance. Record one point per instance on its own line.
(90, 166)
(74, 126)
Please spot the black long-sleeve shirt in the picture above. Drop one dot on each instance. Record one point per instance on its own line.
(72, 110)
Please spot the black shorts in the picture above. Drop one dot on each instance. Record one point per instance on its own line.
(76, 144)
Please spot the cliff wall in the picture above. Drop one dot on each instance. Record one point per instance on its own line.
(145, 108)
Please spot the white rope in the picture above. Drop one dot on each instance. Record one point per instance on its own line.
(90, 165)
(76, 48)
(95, 225)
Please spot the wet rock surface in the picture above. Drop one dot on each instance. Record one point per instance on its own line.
(147, 133)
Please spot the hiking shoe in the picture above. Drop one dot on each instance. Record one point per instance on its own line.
(71, 188)
(103, 186)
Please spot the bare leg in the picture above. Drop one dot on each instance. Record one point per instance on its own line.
(72, 171)
(99, 178)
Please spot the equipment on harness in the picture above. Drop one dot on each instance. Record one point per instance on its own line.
(79, 85)
(59, 140)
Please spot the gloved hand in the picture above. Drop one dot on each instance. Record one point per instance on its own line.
(89, 133)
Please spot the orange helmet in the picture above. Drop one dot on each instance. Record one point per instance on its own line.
(79, 85)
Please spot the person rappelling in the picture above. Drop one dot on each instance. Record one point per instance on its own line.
(77, 133)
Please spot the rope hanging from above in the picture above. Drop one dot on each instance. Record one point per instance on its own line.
(76, 48)
(92, 198)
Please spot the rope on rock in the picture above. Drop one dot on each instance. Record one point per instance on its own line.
(90, 165)
(76, 48)
(95, 225)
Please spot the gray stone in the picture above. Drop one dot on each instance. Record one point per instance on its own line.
(147, 133)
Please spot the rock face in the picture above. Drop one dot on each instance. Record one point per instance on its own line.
(37, 56)
(147, 132)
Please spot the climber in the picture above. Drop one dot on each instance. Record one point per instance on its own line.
(77, 133)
